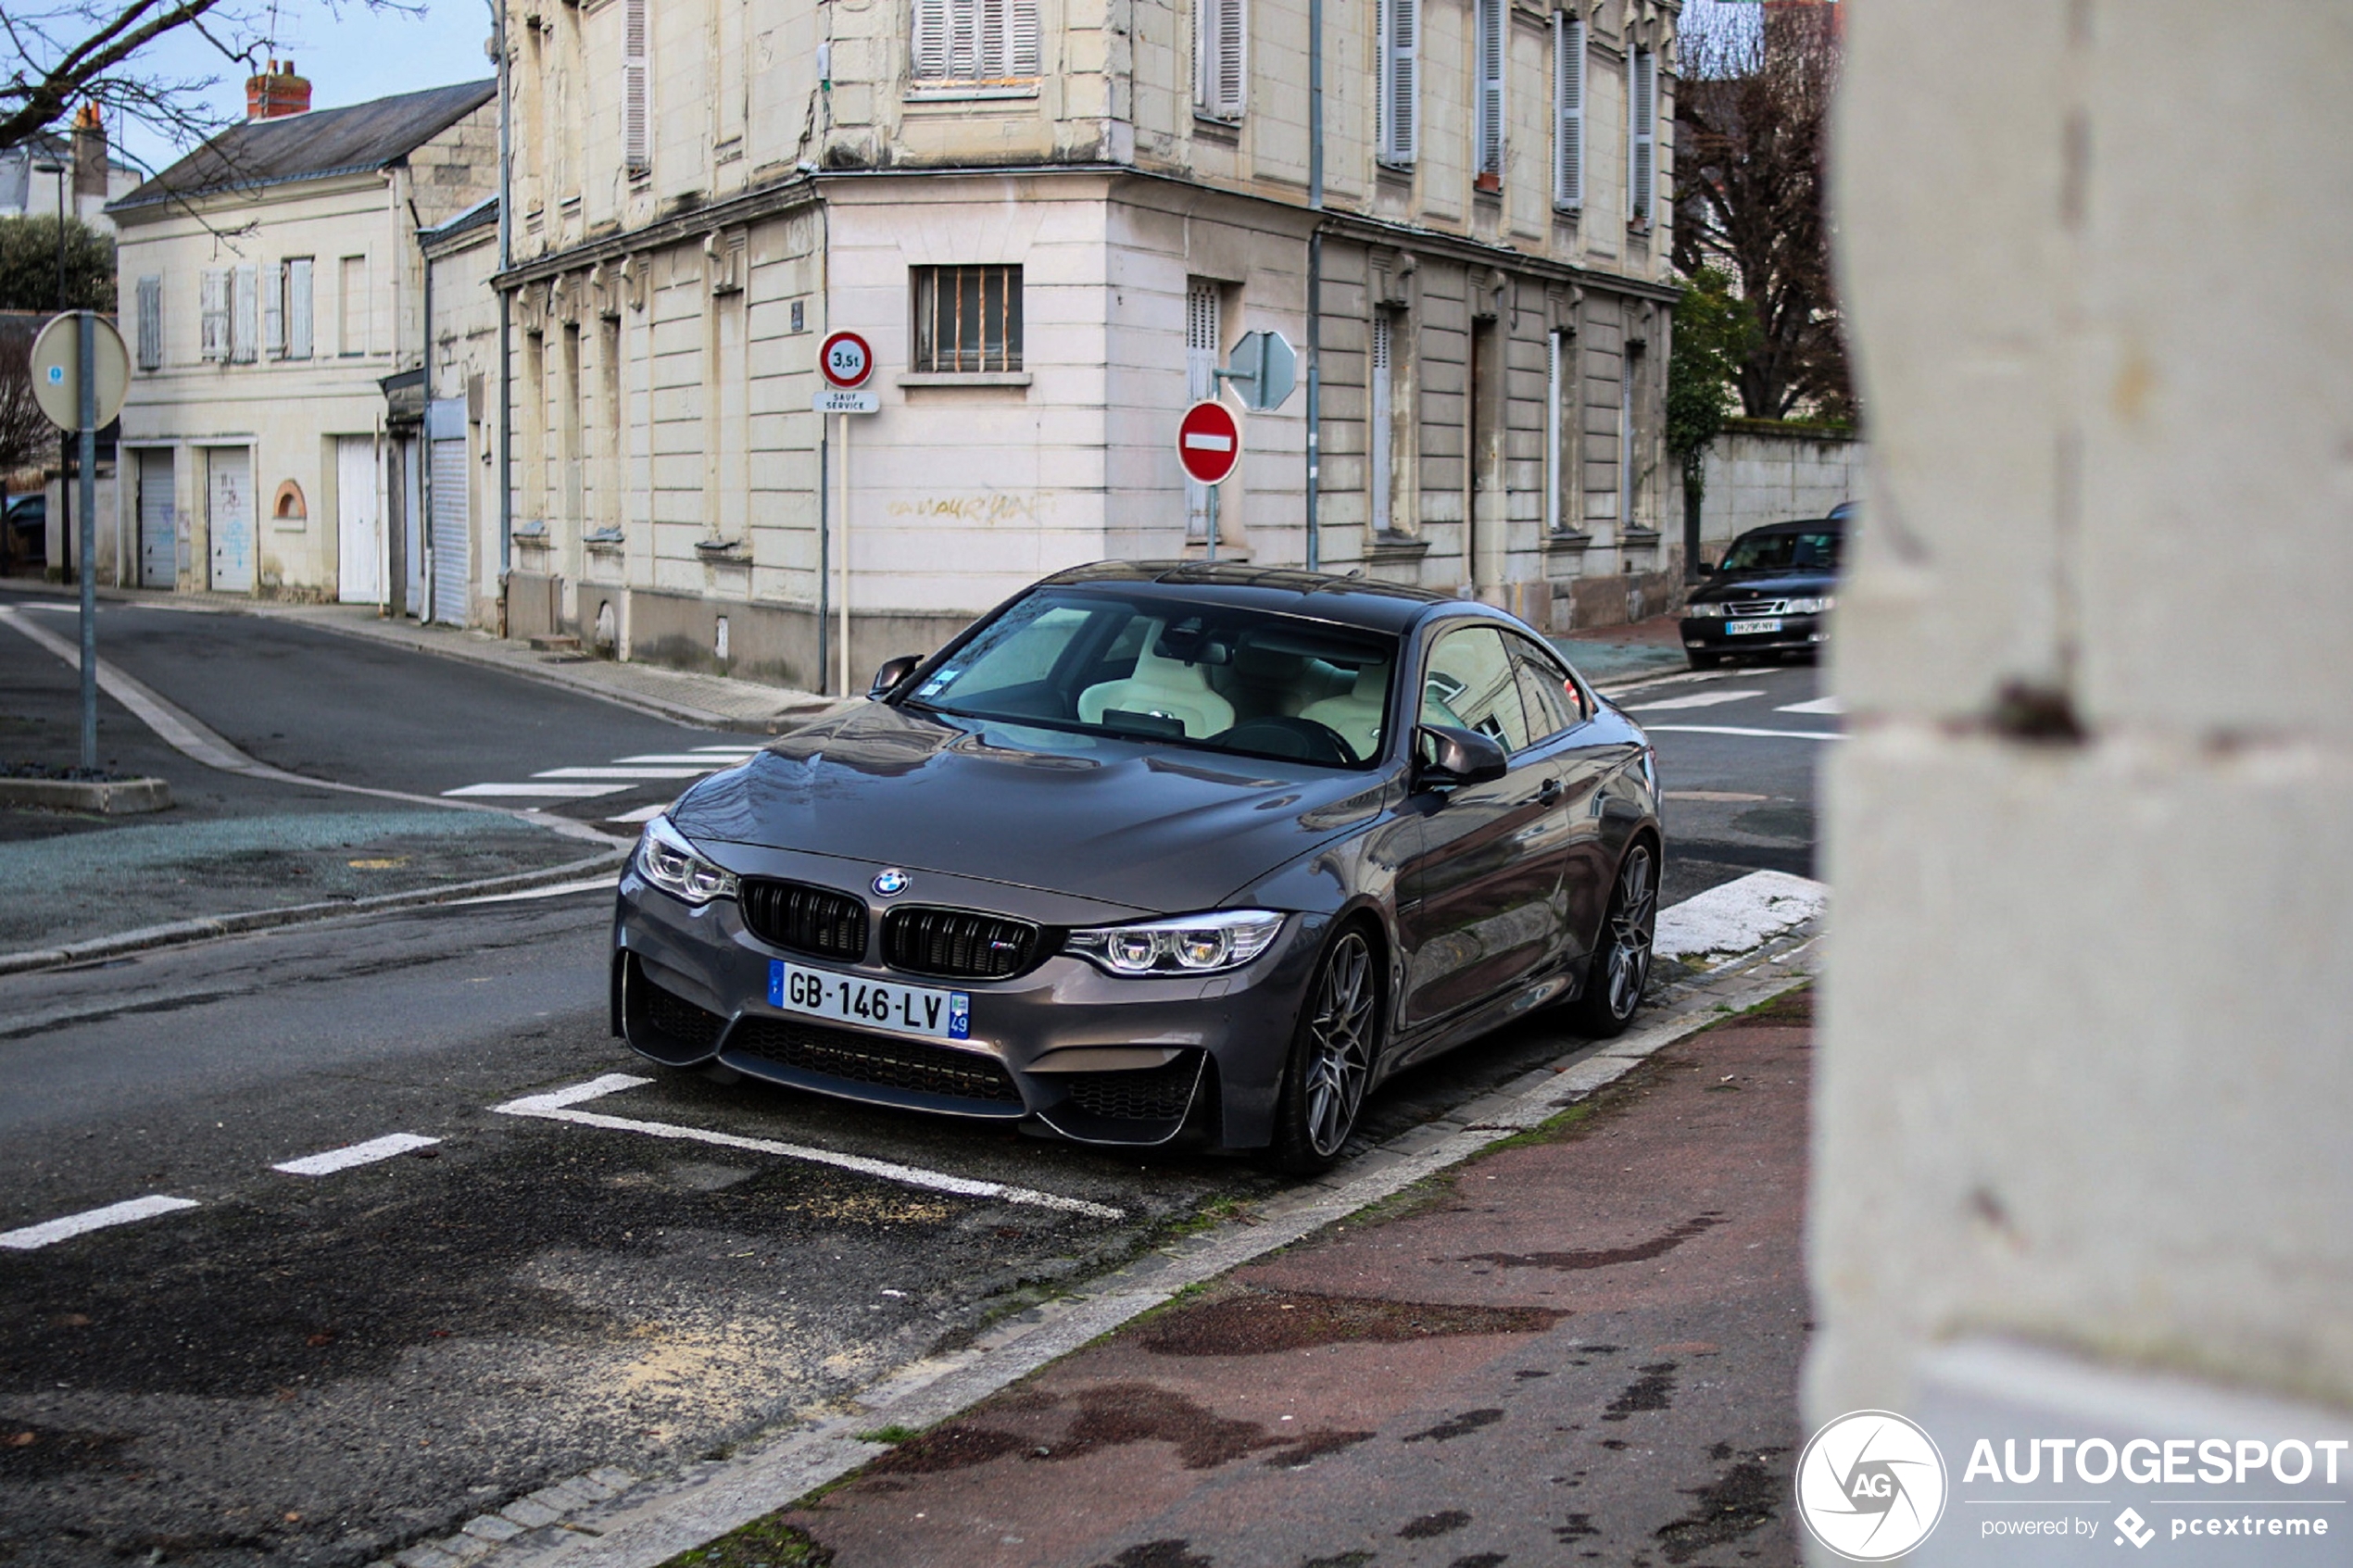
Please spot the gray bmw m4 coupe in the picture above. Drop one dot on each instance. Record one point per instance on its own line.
(1157, 851)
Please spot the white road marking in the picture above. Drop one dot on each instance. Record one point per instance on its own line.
(642, 814)
(1697, 699)
(631, 773)
(557, 791)
(671, 757)
(355, 1154)
(1819, 705)
(1717, 796)
(1736, 916)
(1734, 730)
(557, 1106)
(33, 1238)
(586, 884)
(729, 751)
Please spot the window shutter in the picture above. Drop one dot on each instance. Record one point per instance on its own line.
(1488, 117)
(1641, 96)
(1568, 111)
(1024, 57)
(636, 141)
(1400, 93)
(1221, 32)
(931, 41)
(273, 312)
(215, 315)
(298, 311)
(241, 321)
(151, 323)
(1378, 441)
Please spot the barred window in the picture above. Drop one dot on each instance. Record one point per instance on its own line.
(967, 319)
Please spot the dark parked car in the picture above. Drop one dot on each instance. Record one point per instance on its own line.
(1769, 594)
(27, 541)
(1156, 849)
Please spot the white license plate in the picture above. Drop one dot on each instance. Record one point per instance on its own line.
(1745, 628)
(877, 1004)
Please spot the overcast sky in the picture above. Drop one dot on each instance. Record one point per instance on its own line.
(350, 53)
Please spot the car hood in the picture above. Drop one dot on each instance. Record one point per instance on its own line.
(1764, 586)
(1157, 829)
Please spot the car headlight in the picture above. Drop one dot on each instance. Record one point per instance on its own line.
(1188, 945)
(1703, 612)
(1811, 607)
(666, 860)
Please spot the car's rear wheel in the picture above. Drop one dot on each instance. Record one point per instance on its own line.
(1331, 1058)
(1704, 661)
(1621, 961)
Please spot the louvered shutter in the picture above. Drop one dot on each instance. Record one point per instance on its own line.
(151, 323)
(931, 41)
(1221, 32)
(1024, 57)
(242, 323)
(1401, 95)
(215, 315)
(1378, 447)
(298, 308)
(273, 311)
(636, 140)
(1641, 96)
(1568, 111)
(1489, 102)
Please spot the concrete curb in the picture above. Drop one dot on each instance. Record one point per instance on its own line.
(651, 1521)
(111, 798)
(204, 927)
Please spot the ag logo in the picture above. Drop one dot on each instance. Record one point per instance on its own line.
(1871, 1485)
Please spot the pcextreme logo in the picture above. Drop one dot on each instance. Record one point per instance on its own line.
(1871, 1485)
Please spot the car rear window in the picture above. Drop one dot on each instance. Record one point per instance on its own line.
(1802, 550)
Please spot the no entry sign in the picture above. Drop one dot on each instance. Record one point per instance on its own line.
(1209, 442)
(845, 361)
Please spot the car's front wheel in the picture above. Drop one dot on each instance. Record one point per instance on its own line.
(1331, 1058)
(1621, 961)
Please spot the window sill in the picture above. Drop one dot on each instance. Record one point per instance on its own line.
(1567, 542)
(952, 92)
(1391, 546)
(964, 377)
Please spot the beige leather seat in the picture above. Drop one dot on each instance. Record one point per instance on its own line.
(1356, 715)
(1168, 687)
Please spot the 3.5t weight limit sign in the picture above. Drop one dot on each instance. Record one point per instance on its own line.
(845, 360)
(1209, 442)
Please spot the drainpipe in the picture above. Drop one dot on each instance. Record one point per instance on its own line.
(506, 305)
(1314, 279)
(421, 503)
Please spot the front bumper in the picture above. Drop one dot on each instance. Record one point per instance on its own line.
(1707, 634)
(1064, 1048)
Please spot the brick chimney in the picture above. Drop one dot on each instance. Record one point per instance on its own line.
(276, 92)
(89, 152)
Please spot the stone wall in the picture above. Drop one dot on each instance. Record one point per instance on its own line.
(1758, 473)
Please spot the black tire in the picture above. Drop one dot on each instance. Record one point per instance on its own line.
(1704, 660)
(1621, 966)
(1331, 1058)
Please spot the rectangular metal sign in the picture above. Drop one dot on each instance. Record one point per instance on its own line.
(832, 402)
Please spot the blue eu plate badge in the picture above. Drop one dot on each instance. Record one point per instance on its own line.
(960, 1016)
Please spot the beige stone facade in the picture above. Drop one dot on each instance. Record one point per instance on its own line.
(696, 207)
(265, 301)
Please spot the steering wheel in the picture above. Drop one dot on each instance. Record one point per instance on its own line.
(1284, 735)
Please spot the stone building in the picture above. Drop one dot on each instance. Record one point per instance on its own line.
(272, 287)
(1052, 218)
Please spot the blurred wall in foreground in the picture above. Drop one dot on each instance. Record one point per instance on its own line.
(2087, 1075)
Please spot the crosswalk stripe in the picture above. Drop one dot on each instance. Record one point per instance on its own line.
(697, 758)
(1737, 730)
(549, 791)
(620, 773)
(642, 814)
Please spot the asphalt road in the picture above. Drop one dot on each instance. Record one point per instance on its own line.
(325, 1367)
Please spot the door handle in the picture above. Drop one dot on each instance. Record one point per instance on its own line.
(1548, 792)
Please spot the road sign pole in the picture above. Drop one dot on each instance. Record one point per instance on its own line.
(842, 532)
(88, 574)
(1213, 523)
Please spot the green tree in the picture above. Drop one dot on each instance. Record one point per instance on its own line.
(29, 265)
(1714, 333)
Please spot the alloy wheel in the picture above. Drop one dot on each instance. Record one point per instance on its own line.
(1340, 1047)
(1633, 914)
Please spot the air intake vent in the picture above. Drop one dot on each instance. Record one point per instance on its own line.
(862, 1058)
(807, 920)
(957, 944)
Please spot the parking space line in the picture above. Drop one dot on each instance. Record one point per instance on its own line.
(1697, 699)
(33, 1238)
(1736, 730)
(366, 1153)
(557, 1106)
(1819, 705)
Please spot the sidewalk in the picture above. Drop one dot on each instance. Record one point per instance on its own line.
(1607, 656)
(1583, 1347)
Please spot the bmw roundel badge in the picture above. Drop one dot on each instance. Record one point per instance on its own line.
(890, 882)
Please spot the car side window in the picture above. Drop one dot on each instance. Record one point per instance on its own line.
(1470, 684)
(1555, 706)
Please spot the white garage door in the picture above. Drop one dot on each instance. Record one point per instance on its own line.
(229, 518)
(159, 548)
(360, 578)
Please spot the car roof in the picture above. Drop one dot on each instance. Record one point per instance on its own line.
(1346, 601)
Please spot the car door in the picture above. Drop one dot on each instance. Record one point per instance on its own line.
(1560, 718)
(1477, 913)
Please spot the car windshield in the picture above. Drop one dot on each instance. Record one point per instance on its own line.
(1806, 549)
(1213, 677)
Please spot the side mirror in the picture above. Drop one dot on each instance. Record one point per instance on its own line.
(893, 671)
(1452, 756)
